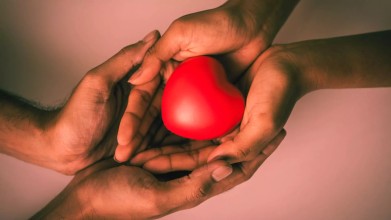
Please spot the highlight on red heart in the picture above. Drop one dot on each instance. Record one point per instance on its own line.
(199, 102)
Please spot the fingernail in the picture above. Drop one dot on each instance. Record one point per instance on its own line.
(149, 36)
(221, 173)
(135, 75)
(116, 160)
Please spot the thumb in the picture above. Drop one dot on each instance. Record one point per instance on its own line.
(271, 97)
(118, 66)
(195, 188)
(247, 144)
(168, 46)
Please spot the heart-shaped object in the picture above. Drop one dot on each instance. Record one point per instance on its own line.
(199, 102)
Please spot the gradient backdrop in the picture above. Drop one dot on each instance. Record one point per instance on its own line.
(334, 163)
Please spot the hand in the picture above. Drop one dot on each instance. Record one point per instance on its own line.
(248, 28)
(238, 31)
(285, 73)
(273, 88)
(126, 192)
(85, 129)
(141, 120)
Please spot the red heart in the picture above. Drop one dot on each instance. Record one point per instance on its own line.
(199, 102)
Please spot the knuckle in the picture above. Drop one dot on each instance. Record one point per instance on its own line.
(195, 156)
(132, 53)
(245, 175)
(179, 22)
(130, 50)
(96, 82)
(243, 153)
(125, 50)
(180, 27)
(151, 51)
(200, 193)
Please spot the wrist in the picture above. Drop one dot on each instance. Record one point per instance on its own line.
(72, 203)
(49, 140)
(23, 126)
(57, 152)
(291, 67)
(263, 17)
(298, 61)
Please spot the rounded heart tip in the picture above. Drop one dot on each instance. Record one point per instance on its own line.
(199, 102)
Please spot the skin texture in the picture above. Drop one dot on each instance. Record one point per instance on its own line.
(77, 134)
(274, 83)
(248, 27)
(84, 130)
(110, 190)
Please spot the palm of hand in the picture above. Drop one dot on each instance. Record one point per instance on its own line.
(273, 88)
(130, 190)
(86, 128)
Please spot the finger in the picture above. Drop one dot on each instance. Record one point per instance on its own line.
(151, 137)
(152, 153)
(210, 180)
(245, 170)
(174, 159)
(160, 135)
(146, 123)
(193, 189)
(172, 139)
(165, 49)
(115, 68)
(228, 136)
(241, 173)
(122, 153)
(142, 157)
(274, 143)
(189, 160)
(139, 100)
(245, 146)
(271, 98)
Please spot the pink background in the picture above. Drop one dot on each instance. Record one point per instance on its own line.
(334, 164)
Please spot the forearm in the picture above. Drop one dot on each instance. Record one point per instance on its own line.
(69, 204)
(345, 62)
(266, 16)
(22, 130)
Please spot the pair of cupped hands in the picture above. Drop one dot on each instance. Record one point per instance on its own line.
(106, 115)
